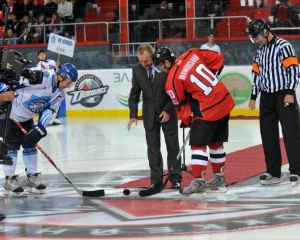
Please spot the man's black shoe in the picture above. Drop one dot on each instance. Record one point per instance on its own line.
(176, 185)
(154, 185)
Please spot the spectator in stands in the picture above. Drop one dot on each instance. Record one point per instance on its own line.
(77, 13)
(73, 2)
(56, 19)
(65, 10)
(23, 24)
(211, 42)
(26, 36)
(36, 8)
(259, 4)
(10, 38)
(2, 4)
(49, 8)
(39, 30)
(163, 13)
(79, 8)
(117, 17)
(11, 5)
(13, 23)
(2, 20)
(294, 18)
(24, 8)
(281, 18)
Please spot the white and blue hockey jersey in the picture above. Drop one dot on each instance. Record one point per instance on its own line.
(45, 65)
(42, 99)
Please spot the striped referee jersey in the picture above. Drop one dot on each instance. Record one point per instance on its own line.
(275, 68)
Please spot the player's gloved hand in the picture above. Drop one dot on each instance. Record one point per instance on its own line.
(34, 135)
(187, 123)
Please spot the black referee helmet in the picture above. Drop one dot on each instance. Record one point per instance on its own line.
(258, 27)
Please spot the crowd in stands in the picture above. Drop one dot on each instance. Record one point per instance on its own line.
(23, 15)
(286, 15)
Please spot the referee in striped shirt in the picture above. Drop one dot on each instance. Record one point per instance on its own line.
(275, 73)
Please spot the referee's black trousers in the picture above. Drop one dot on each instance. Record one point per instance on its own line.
(273, 111)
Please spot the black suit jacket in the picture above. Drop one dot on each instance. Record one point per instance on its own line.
(153, 101)
(29, 40)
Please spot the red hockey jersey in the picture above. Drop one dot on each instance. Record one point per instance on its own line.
(194, 72)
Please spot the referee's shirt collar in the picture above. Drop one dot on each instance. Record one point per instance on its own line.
(272, 40)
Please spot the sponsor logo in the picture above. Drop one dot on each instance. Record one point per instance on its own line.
(89, 91)
(123, 81)
(123, 99)
(239, 86)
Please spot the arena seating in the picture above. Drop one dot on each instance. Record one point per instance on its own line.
(105, 13)
(237, 26)
(264, 13)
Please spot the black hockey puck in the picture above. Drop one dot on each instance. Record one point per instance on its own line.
(126, 191)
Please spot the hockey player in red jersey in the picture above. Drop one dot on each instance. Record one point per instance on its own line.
(203, 103)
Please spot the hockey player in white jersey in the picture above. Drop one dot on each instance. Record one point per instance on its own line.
(42, 99)
(48, 64)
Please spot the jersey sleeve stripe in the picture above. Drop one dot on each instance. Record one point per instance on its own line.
(290, 61)
(255, 68)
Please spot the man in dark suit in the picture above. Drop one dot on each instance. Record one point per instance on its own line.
(157, 113)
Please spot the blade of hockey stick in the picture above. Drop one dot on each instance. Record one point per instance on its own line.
(153, 191)
(94, 193)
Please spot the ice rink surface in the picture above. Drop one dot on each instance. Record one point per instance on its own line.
(102, 153)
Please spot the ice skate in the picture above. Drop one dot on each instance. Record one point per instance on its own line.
(12, 187)
(197, 188)
(57, 121)
(217, 183)
(34, 184)
(51, 123)
(54, 120)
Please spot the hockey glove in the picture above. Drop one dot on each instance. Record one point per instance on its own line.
(187, 123)
(34, 135)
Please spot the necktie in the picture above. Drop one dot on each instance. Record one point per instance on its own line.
(150, 75)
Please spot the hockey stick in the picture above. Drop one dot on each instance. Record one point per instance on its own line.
(152, 191)
(95, 193)
(183, 165)
(219, 72)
